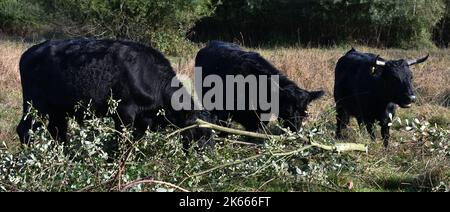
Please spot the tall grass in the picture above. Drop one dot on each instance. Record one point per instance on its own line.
(10, 53)
(10, 90)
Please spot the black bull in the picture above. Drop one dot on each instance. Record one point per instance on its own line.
(226, 59)
(369, 88)
(58, 75)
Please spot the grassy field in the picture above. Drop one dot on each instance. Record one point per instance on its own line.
(412, 163)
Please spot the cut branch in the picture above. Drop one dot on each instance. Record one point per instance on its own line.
(339, 147)
(149, 181)
(207, 125)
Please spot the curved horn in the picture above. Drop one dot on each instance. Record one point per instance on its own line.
(381, 63)
(421, 60)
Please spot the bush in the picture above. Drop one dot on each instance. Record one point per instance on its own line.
(165, 24)
(19, 17)
(157, 162)
(406, 24)
(83, 163)
(161, 23)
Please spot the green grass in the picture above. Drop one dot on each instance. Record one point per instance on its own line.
(10, 114)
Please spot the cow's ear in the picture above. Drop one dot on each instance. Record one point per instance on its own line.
(373, 71)
(315, 95)
(376, 71)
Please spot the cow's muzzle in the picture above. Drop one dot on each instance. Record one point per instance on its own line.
(411, 99)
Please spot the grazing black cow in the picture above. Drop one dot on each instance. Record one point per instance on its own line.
(58, 75)
(226, 59)
(369, 88)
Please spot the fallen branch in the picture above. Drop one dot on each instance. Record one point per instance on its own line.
(203, 124)
(339, 147)
(346, 147)
(150, 181)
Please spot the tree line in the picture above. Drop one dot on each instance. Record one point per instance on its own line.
(170, 25)
(386, 23)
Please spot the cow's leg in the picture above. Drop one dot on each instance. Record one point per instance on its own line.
(370, 126)
(25, 125)
(23, 128)
(384, 123)
(125, 117)
(142, 123)
(203, 137)
(342, 120)
(57, 127)
(385, 134)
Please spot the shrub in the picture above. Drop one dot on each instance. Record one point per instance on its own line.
(161, 23)
(157, 162)
(19, 17)
(84, 164)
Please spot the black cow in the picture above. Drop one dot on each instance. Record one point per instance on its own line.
(369, 88)
(57, 75)
(226, 59)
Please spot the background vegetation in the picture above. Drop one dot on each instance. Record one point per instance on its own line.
(403, 23)
(158, 22)
(167, 24)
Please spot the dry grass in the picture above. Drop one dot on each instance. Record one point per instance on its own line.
(10, 53)
(10, 90)
(314, 68)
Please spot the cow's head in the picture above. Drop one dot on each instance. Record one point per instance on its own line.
(398, 80)
(294, 105)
